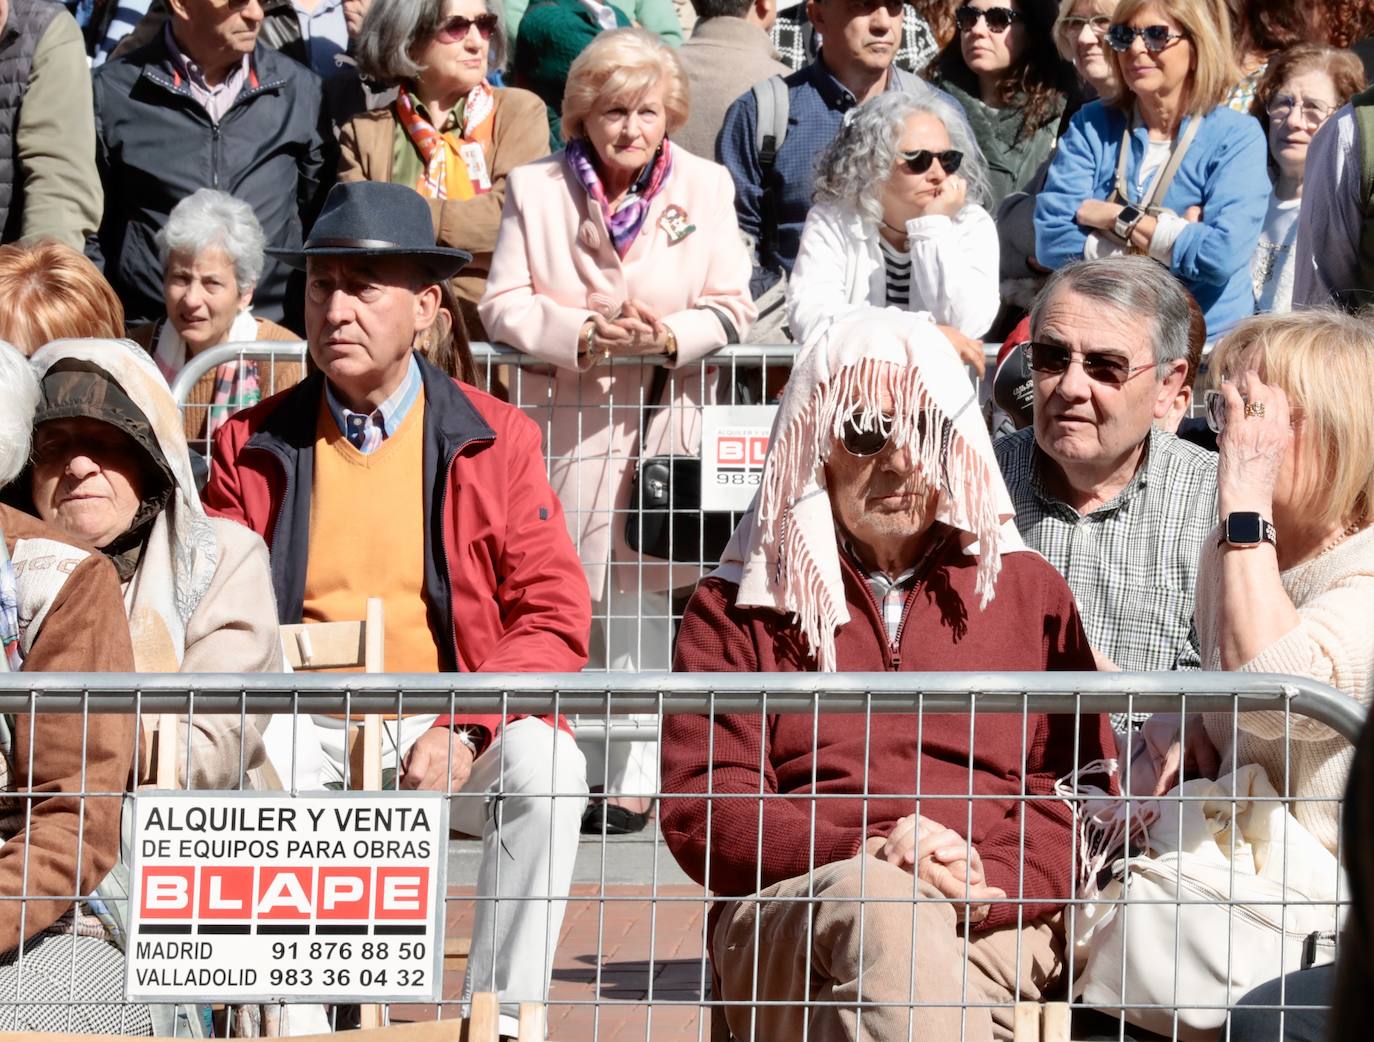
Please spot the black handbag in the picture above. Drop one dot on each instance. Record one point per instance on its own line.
(666, 520)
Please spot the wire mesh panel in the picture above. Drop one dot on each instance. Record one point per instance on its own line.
(887, 856)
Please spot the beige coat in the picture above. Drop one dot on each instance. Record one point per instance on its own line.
(554, 264)
(723, 59)
(520, 134)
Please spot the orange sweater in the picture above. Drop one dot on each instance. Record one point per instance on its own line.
(367, 537)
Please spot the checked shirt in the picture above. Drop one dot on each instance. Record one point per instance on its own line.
(1132, 563)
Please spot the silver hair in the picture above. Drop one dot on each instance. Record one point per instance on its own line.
(394, 28)
(19, 396)
(1135, 286)
(209, 218)
(858, 162)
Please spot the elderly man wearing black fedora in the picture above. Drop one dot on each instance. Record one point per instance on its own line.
(379, 476)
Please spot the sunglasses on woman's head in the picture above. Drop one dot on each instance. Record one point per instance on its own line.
(1070, 27)
(1120, 36)
(1104, 367)
(451, 30)
(919, 162)
(999, 18)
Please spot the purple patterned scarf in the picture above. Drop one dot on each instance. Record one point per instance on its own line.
(627, 218)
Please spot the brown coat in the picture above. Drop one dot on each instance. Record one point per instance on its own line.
(70, 842)
(520, 134)
(196, 408)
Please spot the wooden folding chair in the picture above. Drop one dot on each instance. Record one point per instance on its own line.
(343, 645)
(481, 1025)
(1034, 1022)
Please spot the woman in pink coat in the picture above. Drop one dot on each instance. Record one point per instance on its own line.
(619, 247)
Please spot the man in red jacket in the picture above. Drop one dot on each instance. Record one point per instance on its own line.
(909, 869)
(380, 476)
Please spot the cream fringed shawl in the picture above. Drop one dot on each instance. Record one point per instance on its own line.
(784, 555)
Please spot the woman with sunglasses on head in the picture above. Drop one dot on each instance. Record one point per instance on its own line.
(1012, 85)
(449, 135)
(899, 221)
(1302, 89)
(1161, 167)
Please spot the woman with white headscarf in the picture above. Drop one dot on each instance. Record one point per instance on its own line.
(111, 468)
(60, 611)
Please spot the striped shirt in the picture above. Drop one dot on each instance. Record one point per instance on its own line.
(897, 265)
(366, 431)
(1132, 563)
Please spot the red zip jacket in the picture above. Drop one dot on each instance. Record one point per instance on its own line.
(504, 585)
(907, 763)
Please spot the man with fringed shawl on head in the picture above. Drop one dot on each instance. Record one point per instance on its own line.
(881, 539)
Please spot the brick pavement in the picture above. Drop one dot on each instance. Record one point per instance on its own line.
(623, 928)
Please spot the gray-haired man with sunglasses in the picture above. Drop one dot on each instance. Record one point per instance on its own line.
(1117, 505)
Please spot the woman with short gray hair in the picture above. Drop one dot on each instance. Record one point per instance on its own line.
(899, 221)
(212, 255)
(449, 135)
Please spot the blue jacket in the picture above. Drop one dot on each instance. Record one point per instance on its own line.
(1224, 172)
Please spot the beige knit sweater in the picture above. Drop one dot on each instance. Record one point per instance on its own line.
(1333, 643)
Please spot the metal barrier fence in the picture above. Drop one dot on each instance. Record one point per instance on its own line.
(633, 955)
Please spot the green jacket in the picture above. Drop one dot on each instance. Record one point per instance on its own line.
(658, 16)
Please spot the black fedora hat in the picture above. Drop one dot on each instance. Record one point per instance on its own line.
(376, 219)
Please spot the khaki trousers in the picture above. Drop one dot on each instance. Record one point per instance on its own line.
(873, 954)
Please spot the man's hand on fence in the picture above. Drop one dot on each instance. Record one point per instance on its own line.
(435, 764)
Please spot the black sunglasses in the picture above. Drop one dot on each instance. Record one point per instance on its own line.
(1120, 37)
(999, 18)
(869, 441)
(451, 30)
(1054, 359)
(918, 162)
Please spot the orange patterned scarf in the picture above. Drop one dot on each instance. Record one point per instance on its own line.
(454, 169)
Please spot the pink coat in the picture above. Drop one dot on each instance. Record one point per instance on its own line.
(554, 263)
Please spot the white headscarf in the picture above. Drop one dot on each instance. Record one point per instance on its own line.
(785, 555)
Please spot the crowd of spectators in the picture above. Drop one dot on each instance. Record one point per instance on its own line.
(1134, 195)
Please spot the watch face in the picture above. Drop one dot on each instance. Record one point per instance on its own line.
(1128, 214)
(1244, 527)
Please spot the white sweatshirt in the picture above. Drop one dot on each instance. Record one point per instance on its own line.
(954, 269)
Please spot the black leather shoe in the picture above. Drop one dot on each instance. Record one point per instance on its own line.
(618, 821)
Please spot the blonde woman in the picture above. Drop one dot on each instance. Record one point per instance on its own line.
(1285, 585)
(1161, 166)
(621, 246)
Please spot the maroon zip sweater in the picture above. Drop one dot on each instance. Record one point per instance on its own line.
(1023, 833)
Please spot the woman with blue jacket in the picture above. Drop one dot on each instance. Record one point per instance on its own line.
(1162, 167)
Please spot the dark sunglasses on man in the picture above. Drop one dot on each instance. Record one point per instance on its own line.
(999, 19)
(452, 30)
(919, 162)
(1102, 366)
(1120, 37)
(862, 440)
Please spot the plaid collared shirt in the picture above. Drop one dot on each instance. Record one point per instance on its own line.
(366, 431)
(797, 44)
(1132, 563)
(891, 593)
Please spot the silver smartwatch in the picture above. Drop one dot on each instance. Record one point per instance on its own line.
(1126, 221)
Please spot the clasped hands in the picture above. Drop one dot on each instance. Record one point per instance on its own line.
(633, 331)
(942, 858)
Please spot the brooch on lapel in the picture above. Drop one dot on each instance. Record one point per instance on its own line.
(674, 223)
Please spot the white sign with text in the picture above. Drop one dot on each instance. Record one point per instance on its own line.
(257, 897)
(734, 442)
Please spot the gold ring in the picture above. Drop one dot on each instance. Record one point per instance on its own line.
(1254, 409)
